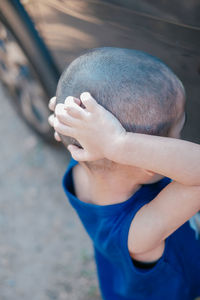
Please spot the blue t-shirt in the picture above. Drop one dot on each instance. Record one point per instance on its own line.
(176, 275)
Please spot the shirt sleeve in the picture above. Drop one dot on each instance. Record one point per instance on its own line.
(143, 283)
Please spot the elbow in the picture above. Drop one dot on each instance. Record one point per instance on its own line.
(191, 180)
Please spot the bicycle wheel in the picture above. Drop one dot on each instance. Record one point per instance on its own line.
(27, 70)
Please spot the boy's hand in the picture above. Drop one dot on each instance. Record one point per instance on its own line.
(51, 118)
(96, 129)
(52, 105)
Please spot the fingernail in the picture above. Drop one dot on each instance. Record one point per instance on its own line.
(69, 98)
(52, 99)
(85, 95)
(51, 102)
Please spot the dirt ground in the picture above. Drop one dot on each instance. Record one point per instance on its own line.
(44, 252)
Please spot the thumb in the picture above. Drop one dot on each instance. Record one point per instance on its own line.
(77, 153)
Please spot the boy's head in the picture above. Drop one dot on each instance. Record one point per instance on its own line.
(140, 90)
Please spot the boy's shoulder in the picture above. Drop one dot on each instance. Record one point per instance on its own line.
(82, 186)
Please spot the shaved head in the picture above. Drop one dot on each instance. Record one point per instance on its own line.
(139, 89)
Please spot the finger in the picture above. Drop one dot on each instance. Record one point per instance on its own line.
(63, 116)
(77, 153)
(57, 137)
(63, 129)
(52, 103)
(59, 109)
(51, 120)
(75, 111)
(71, 99)
(88, 101)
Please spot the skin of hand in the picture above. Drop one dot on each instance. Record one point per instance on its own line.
(52, 105)
(51, 118)
(84, 120)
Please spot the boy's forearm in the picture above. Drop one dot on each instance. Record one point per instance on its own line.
(174, 158)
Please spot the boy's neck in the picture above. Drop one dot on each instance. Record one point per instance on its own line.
(105, 187)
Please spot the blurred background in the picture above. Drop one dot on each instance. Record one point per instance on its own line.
(44, 251)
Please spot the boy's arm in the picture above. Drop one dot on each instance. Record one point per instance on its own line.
(173, 158)
(155, 221)
(101, 135)
(175, 204)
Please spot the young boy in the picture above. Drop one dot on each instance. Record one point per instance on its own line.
(135, 186)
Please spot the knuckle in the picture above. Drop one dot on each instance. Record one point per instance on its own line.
(70, 108)
(68, 112)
